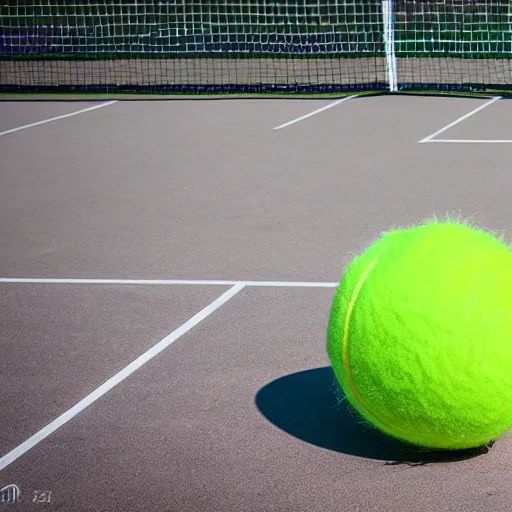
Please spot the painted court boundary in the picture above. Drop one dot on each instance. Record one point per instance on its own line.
(170, 282)
(56, 118)
(317, 111)
(118, 377)
(472, 141)
(431, 137)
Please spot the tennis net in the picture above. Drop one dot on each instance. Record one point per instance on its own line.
(256, 46)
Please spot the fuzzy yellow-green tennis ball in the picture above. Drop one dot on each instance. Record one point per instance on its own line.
(420, 335)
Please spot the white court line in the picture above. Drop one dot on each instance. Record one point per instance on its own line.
(471, 141)
(51, 119)
(204, 282)
(459, 120)
(325, 107)
(117, 378)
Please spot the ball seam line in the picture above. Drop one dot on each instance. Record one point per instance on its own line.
(346, 364)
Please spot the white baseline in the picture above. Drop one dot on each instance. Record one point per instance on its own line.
(51, 119)
(472, 141)
(160, 282)
(117, 378)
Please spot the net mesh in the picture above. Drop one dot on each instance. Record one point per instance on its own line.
(454, 44)
(254, 46)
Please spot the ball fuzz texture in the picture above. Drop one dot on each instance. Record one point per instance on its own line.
(420, 335)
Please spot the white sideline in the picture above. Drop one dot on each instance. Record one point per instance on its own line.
(159, 282)
(117, 378)
(317, 111)
(51, 119)
(459, 120)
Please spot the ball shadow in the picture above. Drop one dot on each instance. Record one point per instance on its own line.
(310, 406)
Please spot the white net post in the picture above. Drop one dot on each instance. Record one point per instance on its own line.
(388, 18)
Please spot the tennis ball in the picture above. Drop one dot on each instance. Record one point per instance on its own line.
(420, 335)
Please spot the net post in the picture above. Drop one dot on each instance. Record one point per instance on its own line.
(388, 16)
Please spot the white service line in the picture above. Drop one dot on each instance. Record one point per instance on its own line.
(204, 282)
(325, 107)
(459, 120)
(117, 378)
(51, 119)
(471, 141)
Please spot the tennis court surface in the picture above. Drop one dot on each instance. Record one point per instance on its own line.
(167, 269)
(182, 185)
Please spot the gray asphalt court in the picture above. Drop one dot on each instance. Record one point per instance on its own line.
(166, 275)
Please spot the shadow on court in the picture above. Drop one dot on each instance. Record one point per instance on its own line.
(308, 406)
